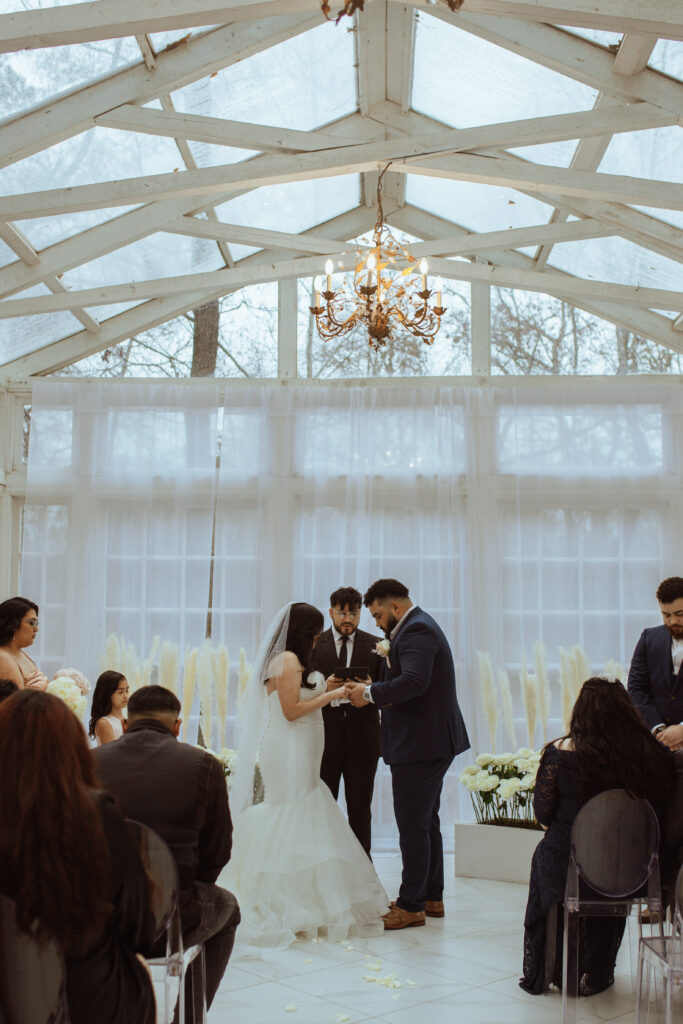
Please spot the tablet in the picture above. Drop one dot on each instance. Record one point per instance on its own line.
(351, 672)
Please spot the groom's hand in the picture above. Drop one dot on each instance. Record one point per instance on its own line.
(354, 691)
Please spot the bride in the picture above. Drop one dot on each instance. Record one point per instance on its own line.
(296, 867)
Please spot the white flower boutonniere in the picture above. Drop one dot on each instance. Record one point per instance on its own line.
(382, 648)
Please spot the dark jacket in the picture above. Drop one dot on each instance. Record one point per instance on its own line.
(179, 791)
(421, 719)
(672, 831)
(652, 685)
(356, 729)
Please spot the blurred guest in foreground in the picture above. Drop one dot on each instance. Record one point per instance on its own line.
(7, 688)
(18, 629)
(608, 747)
(70, 864)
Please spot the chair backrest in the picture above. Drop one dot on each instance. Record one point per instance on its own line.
(31, 976)
(614, 843)
(161, 868)
(678, 900)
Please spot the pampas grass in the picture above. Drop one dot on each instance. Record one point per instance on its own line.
(506, 701)
(583, 667)
(615, 670)
(206, 683)
(149, 661)
(488, 694)
(242, 679)
(542, 686)
(567, 674)
(189, 680)
(221, 670)
(528, 686)
(132, 666)
(111, 657)
(168, 666)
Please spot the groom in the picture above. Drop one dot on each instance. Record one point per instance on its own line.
(422, 731)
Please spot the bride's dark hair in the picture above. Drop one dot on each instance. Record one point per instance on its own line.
(305, 623)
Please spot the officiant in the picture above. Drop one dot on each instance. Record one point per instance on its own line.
(352, 743)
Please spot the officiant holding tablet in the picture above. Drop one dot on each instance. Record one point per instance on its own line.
(352, 743)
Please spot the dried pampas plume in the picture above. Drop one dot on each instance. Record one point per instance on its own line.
(488, 694)
(582, 668)
(542, 686)
(506, 702)
(615, 670)
(111, 657)
(205, 679)
(567, 674)
(189, 680)
(221, 670)
(149, 661)
(528, 685)
(169, 655)
(242, 679)
(132, 668)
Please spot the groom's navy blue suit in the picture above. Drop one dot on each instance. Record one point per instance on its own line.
(422, 731)
(652, 685)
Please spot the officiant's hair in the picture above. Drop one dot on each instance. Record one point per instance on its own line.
(305, 622)
(343, 596)
(153, 700)
(670, 590)
(383, 589)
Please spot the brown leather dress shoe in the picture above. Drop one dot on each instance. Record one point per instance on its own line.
(399, 918)
(434, 908)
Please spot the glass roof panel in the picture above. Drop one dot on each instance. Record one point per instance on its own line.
(30, 77)
(557, 153)
(157, 255)
(667, 56)
(207, 155)
(481, 83)
(653, 153)
(45, 231)
(476, 207)
(100, 154)
(7, 255)
(295, 206)
(301, 83)
(23, 334)
(617, 260)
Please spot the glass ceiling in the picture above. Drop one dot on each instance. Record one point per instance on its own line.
(306, 82)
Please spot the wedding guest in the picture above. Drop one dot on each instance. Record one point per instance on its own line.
(422, 731)
(608, 746)
(672, 833)
(179, 791)
(70, 864)
(109, 700)
(18, 629)
(7, 688)
(655, 678)
(352, 743)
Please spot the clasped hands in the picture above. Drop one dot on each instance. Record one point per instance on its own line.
(671, 737)
(353, 689)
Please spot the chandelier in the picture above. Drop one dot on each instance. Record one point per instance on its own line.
(384, 292)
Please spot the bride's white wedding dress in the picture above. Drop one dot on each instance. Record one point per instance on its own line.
(296, 867)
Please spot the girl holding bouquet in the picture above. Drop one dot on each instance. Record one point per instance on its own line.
(109, 700)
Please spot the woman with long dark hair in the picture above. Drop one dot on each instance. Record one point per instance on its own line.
(608, 746)
(296, 866)
(108, 701)
(69, 863)
(18, 630)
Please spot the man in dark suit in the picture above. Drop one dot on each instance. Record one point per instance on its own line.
(422, 731)
(352, 744)
(655, 678)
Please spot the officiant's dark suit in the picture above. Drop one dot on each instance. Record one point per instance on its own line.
(652, 685)
(352, 744)
(422, 731)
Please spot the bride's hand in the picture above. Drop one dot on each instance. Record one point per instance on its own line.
(337, 694)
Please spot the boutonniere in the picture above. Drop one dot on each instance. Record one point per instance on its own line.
(382, 648)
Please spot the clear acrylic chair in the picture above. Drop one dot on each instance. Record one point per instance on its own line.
(172, 967)
(613, 865)
(32, 981)
(663, 955)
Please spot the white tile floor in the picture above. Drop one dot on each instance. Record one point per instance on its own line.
(460, 970)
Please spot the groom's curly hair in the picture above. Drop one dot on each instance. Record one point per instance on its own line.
(383, 589)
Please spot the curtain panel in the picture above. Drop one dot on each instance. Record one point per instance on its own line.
(515, 514)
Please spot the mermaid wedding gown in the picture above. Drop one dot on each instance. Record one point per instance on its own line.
(296, 867)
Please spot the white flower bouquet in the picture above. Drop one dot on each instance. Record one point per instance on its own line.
(227, 758)
(70, 692)
(502, 788)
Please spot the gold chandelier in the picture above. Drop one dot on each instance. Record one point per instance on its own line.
(383, 293)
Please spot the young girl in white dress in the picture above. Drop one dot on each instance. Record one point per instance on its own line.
(109, 700)
(296, 867)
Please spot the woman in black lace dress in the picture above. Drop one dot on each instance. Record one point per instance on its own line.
(608, 747)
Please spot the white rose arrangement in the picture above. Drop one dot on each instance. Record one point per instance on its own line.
(382, 648)
(68, 690)
(502, 787)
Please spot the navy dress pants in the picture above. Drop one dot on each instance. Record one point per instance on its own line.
(416, 789)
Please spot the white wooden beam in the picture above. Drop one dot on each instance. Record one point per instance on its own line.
(287, 329)
(633, 53)
(470, 244)
(480, 331)
(111, 19)
(68, 115)
(219, 132)
(266, 239)
(401, 25)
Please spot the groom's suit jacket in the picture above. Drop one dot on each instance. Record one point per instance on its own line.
(652, 685)
(421, 719)
(345, 725)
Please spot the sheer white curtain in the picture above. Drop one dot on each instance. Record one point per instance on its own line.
(515, 514)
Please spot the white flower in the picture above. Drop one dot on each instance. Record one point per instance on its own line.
(70, 693)
(503, 760)
(484, 759)
(471, 769)
(528, 781)
(489, 784)
(74, 676)
(382, 648)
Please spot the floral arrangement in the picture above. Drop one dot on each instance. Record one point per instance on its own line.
(74, 676)
(502, 787)
(69, 691)
(227, 759)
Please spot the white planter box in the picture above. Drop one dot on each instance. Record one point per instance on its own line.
(497, 852)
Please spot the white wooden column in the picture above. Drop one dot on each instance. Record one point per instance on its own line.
(481, 329)
(287, 313)
(8, 534)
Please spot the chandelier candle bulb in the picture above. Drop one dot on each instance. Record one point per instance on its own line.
(371, 264)
(438, 284)
(317, 286)
(424, 267)
(329, 268)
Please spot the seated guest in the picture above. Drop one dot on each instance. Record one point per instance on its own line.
(672, 833)
(70, 864)
(7, 688)
(608, 747)
(18, 629)
(108, 701)
(655, 678)
(179, 791)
